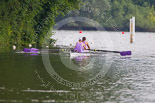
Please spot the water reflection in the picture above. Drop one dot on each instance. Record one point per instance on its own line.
(81, 60)
(128, 80)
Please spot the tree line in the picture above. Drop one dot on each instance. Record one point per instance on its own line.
(115, 14)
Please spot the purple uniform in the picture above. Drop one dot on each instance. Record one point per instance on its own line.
(79, 47)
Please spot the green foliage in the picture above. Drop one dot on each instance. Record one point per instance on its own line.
(112, 14)
(28, 21)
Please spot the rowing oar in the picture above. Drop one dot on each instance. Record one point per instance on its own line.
(122, 53)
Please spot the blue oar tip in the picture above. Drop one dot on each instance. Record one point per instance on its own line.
(128, 53)
(123, 53)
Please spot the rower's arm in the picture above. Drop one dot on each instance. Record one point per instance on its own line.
(87, 45)
(84, 46)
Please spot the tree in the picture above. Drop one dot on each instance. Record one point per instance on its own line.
(27, 21)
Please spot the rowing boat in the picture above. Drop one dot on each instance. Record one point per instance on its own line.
(90, 53)
(73, 54)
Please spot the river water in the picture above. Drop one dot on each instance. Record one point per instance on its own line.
(26, 78)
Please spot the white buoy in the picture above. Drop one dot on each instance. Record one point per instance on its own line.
(54, 45)
(47, 46)
(14, 47)
(30, 45)
(92, 42)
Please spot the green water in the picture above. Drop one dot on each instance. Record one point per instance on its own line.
(24, 79)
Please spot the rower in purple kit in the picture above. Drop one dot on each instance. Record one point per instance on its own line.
(80, 47)
(85, 43)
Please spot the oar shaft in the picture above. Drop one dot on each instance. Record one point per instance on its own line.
(122, 53)
(106, 51)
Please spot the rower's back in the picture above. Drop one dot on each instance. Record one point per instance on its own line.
(79, 47)
(85, 43)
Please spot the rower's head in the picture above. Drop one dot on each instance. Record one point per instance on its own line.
(84, 39)
(80, 39)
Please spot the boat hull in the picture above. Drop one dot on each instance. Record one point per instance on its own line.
(75, 54)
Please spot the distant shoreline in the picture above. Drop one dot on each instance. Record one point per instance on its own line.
(102, 29)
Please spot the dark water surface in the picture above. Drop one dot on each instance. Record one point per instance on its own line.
(24, 79)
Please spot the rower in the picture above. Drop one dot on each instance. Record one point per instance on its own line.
(80, 46)
(85, 43)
